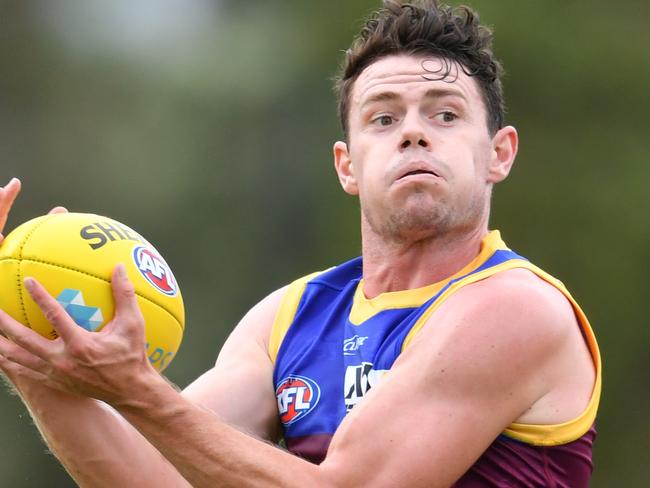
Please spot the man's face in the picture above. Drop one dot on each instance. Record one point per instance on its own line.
(419, 150)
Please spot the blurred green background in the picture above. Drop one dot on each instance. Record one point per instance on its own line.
(208, 125)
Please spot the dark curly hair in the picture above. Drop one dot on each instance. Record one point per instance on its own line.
(426, 28)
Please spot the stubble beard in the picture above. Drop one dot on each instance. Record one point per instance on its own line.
(423, 220)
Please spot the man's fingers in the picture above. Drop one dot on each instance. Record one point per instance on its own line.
(24, 336)
(58, 210)
(12, 372)
(15, 354)
(53, 311)
(126, 303)
(7, 196)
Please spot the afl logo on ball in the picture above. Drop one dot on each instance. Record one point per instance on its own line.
(155, 270)
(297, 396)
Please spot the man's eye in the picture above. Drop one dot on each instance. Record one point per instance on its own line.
(447, 116)
(384, 120)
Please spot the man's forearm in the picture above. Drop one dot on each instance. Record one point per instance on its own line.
(94, 443)
(207, 451)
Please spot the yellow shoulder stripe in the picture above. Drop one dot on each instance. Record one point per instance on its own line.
(556, 434)
(286, 312)
(481, 275)
(541, 435)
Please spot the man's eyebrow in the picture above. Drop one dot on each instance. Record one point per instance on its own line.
(389, 96)
(444, 92)
(385, 96)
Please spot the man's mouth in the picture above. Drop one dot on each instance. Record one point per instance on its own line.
(418, 171)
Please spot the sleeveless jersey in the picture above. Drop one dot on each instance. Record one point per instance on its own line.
(331, 345)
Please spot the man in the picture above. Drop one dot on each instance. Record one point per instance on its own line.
(440, 358)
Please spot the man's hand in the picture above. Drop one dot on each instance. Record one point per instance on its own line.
(110, 365)
(8, 195)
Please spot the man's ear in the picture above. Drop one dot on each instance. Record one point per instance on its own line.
(504, 151)
(344, 168)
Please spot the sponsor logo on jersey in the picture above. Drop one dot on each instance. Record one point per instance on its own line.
(353, 344)
(358, 381)
(297, 396)
(155, 270)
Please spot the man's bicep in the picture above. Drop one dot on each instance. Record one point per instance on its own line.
(442, 404)
(405, 434)
(239, 388)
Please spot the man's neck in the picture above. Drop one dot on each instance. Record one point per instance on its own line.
(407, 265)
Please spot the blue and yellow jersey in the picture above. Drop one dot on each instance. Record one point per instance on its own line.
(331, 344)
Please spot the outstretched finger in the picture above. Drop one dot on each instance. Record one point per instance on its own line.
(126, 303)
(54, 313)
(24, 336)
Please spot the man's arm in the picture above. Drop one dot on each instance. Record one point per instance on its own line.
(489, 354)
(95, 444)
(99, 448)
(240, 386)
(492, 353)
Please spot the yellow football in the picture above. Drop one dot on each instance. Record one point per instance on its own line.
(73, 255)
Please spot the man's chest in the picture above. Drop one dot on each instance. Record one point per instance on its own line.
(327, 363)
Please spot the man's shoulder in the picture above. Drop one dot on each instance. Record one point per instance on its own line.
(517, 296)
(520, 283)
(514, 309)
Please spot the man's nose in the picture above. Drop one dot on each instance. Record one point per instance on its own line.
(414, 134)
